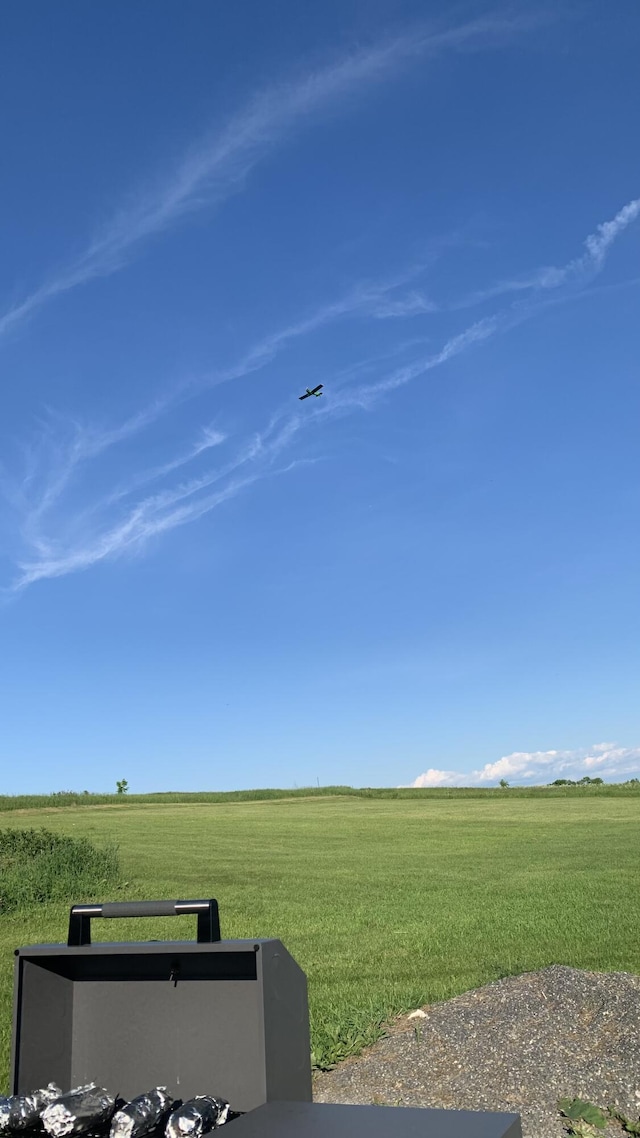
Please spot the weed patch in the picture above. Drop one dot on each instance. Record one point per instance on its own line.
(37, 866)
(336, 1039)
(584, 1119)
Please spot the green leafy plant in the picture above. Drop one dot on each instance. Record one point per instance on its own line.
(122, 786)
(333, 1042)
(585, 1120)
(503, 783)
(627, 1125)
(578, 1111)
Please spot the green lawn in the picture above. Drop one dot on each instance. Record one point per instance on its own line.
(386, 903)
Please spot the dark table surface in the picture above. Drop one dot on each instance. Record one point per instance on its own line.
(325, 1120)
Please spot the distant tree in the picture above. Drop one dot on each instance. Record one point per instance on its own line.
(597, 782)
(562, 782)
(584, 781)
(122, 786)
(503, 783)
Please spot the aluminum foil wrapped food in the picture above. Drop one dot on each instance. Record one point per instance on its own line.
(22, 1112)
(197, 1116)
(78, 1112)
(142, 1115)
(4, 1114)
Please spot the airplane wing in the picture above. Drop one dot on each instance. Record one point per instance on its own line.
(314, 389)
(304, 396)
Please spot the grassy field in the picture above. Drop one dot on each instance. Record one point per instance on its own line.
(387, 903)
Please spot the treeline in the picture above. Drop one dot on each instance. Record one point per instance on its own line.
(558, 789)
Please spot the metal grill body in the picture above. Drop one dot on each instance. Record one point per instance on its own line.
(229, 1017)
(226, 1017)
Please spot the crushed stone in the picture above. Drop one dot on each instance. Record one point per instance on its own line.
(517, 1044)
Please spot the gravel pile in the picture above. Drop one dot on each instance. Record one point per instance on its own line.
(518, 1044)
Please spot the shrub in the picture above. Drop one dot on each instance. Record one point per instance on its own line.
(37, 866)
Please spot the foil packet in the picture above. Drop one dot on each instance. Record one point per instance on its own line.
(197, 1116)
(142, 1115)
(81, 1111)
(23, 1112)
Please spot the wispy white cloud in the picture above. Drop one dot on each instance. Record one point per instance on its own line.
(367, 395)
(413, 304)
(254, 459)
(209, 437)
(160, 512)
(576, 273)
(368, 298)
(581, 272)
(154, 516)
(604, 760)
(60, 447)
(599, 243)
(63, 445)
(147, 520)
(218, 167)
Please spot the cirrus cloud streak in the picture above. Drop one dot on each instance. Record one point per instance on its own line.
(218, 166)
(56, 554)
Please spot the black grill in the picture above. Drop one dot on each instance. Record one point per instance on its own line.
(208, 1016)
(212, 1016)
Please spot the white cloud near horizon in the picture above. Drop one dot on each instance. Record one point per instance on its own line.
(217, 168)
(188, 501)
(606, 760)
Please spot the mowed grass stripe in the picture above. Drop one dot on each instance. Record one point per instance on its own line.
(385, 903)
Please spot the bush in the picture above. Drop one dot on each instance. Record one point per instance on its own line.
(37, 866)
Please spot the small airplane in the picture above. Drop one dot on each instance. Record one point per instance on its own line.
(312, 391)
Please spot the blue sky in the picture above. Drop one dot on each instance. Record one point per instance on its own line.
(430, 574)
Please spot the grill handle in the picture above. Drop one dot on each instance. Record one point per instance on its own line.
(207, 912)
